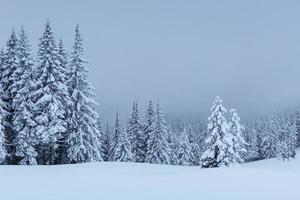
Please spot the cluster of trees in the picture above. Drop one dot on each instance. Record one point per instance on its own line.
(273, 137)
(47, 107)
(48, 116)
(223, 141)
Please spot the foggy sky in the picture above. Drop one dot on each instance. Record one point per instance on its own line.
(183, 53)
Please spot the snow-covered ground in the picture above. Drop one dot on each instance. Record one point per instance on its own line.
(265, 180)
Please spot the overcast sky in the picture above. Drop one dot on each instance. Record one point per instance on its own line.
(183, 53)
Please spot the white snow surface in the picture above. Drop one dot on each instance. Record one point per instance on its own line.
(262, 180)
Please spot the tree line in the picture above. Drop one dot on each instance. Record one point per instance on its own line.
(48, 116)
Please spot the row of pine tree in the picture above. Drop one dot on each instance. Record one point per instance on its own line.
(48, 116)
(47, 105)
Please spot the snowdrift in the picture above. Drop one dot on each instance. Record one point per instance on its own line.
(265, 180)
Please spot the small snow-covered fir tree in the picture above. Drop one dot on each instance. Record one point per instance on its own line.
(158, 149)
(136, 135)
(121, 146)
(287, 139)
(123, 151)
(219, 150)
(114, 138)
(83, 139)
(149, 125)
(235, 129)
(174, 146)
(195, 147)
(104, 142)
(251, 144)
(23, 87)
(185, 150)
(9, 66)
(270, 137)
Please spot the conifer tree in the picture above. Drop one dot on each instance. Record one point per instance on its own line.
(251, 144)
(219, 143)
(83, 140)
(2, 138)
(270, 137)
(114, 138)
(23, 88)
(51, 97)
(174, 146)
(195, 147)
(9, 66)
(158, 149)
(287, 139)
(235, 129)
(184, 152)
(104, 143)
(122, 152)
(62, 142)
(149, 124)
(136, 135)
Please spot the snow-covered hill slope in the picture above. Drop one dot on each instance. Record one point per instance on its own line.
(262, 180)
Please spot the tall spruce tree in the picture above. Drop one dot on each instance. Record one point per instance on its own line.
(149, 124)
(235, 129)
(50, 97)
(62, 142)
(9, 66)
(23, 88)
(158, 149)
(83, 140)
(219, 143)
(136, 135)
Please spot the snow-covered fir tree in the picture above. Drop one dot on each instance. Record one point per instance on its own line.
(287, 139)
(104, 142)
(136, 135)
(2, 137)
(9, 66)
(251, 144)
(23, 105)
(185, 150)
(219, 150)
(114, 138)
(62, 142)
(296, 118)
(83, 137)
(50, 97)
(149, 124)
(270, 137)
(121, 150)
(236, 131)
(195, 147)
(174, 146)
(158, 149)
